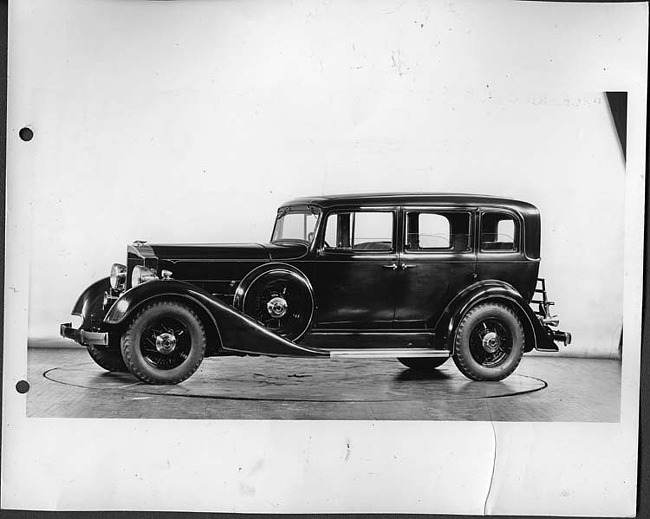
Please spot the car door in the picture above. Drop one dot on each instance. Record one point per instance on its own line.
(501, 253)
(436, 261)
(354, 276)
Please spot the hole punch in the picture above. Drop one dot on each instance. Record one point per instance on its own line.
(22, 386)
(26, 134)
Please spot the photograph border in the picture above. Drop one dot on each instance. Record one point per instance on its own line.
(643, 497)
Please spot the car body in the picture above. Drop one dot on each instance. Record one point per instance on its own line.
(418, 277)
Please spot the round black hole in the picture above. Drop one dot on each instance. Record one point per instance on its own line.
(26, 134)
(22, 386)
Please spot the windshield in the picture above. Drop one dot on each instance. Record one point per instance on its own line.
(294, 224)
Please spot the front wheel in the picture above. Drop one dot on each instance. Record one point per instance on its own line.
(489, 342)
(164, 344)
(110, 360)
(423, 363)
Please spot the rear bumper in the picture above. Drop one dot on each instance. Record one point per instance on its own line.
(547, 338)
(546, 326)
(82, 336)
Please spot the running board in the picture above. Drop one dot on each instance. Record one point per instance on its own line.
(385, 353)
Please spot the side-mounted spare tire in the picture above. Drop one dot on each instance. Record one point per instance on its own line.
(489, 342)
(164, 343)
(279, 298)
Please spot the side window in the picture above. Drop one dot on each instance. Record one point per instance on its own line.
(337, 231)
(430, 231)
(359, 231)
(499, 232)
(372, 231)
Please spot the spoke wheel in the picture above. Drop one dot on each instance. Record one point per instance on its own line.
(164, 344)
(281, 301)
(489, 342)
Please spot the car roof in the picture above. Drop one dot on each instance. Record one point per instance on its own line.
(415, 199)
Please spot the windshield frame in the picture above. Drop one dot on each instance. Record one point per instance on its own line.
(298, 209)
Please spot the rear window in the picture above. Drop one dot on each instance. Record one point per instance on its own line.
(499, 232)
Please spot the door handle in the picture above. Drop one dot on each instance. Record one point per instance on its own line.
(407, 266)
(392, 266)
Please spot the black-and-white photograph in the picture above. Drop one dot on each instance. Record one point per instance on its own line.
(350, 241)
(388, 285)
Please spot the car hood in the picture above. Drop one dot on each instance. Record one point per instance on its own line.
(228, 251)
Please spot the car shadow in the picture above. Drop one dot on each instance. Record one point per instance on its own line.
(411, 374)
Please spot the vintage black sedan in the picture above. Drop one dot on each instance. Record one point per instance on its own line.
(416, 277)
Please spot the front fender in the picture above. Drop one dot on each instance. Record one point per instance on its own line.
(90, 304)
(493, 290)
(237, 331)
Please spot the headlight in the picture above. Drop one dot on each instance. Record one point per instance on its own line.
(142, 275)
(118, 277)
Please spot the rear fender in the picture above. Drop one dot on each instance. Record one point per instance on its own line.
(493, 291)
(235, 331)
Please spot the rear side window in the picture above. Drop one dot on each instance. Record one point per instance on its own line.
(499, 232)
(442, 231)
(359, 231)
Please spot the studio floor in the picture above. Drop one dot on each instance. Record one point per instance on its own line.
(65, 382)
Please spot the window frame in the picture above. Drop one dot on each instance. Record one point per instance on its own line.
(518, 228)
(284, 210)
(470, 212)
(351, 251)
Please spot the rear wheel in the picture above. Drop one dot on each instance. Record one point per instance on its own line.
(423, 363)
(164, 344)
(489, 342)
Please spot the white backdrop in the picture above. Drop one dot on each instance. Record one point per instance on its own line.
(160, 122)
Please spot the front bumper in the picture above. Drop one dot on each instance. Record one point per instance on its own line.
(82, 336)
(559, 336)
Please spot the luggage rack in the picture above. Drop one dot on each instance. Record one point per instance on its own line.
(543, 305)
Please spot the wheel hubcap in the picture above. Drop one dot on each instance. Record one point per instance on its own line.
(281, 303)
(277, 307)
(491, 342)
(166, 343)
